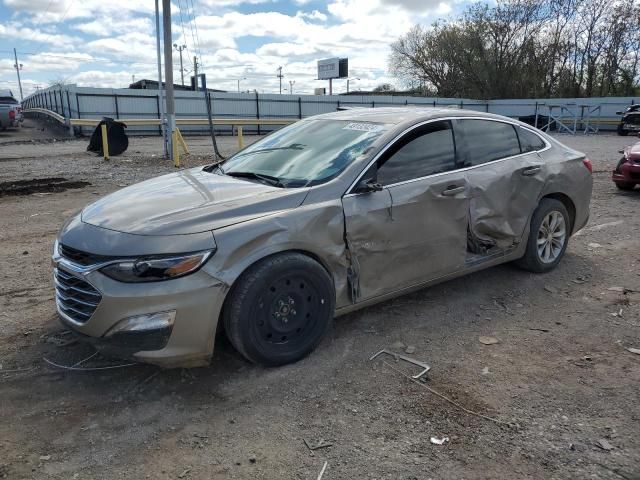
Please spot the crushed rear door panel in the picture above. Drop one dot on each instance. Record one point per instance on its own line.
(504, 194)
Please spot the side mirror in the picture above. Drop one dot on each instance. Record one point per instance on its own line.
(618, 113)
(367, 185)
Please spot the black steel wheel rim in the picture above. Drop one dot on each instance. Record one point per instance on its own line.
(288, 310)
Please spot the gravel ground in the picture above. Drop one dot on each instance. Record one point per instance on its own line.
(560, 382)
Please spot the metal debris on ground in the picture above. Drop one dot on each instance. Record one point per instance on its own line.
(324, 467)
(488, 340)
(87, 369)
(455, 404)
(410, 349)
(634, 350)
(397, 356)
(604, 444)
(316, 446)
(184, 473)
(439, 441)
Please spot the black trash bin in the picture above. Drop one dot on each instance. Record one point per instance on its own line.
(116, 137)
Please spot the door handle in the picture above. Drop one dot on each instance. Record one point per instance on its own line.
(453, 190)
(528, 172)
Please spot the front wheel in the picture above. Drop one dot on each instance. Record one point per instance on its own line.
(279, 309)
(548, 238)
(625, 186)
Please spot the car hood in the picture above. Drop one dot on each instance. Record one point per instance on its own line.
(190, 201)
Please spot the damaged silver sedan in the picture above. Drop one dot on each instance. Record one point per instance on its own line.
(320, 218)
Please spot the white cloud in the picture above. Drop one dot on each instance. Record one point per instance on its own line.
(103, 43)
(315, 15)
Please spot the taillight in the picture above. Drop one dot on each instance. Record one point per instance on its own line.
(587, 163)
(12, 115)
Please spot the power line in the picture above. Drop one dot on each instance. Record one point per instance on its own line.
(193, 36)
(195, 23)
(66, 11)
(184, 35)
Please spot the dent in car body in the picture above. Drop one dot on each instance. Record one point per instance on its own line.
(502, 198)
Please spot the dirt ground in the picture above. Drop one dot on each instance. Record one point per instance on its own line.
(561, 381)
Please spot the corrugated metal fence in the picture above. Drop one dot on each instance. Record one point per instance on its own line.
(71, 101)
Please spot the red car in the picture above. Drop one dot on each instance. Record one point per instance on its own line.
(627, 173)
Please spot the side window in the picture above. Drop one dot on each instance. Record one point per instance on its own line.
(529, 141)
(488, 140)
(427, 150)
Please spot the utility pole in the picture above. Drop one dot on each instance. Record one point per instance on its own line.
(18, 68)
(348, 82)
(195, 72)
(280, 77)
(163, 126)
(243, 78)
(179, 48)
(291, 84)
(168, 74)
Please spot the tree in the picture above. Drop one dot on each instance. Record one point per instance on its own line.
(525, 48)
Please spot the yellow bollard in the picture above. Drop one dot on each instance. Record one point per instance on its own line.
(240, 139)
(105, 142)
(185, 149)
(176, 153)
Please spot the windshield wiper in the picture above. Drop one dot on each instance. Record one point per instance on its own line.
(268, 179)
(215, 166)
(295, 146)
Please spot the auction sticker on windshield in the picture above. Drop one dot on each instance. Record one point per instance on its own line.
(364, 127)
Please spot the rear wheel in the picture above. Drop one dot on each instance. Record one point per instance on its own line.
(280, 309)
(548, 238)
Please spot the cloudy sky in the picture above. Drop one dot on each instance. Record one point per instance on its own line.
(104, 43)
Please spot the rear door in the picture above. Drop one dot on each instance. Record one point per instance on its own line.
(506, 177)
(413, 229)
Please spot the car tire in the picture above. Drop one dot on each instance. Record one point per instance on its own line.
(625, 186)
(548, 237)
(621, 131)
(279, 309)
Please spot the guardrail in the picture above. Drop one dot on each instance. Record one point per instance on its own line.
(92, 122)
(44, 111)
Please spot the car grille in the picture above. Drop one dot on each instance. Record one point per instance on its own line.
(76, 298)
(82, 258)
(633, 119)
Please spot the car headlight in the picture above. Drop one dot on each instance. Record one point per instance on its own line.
(156, 268)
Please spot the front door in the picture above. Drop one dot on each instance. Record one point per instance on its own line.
(414, 228)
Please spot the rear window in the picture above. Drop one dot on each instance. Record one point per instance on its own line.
(8, 100)
(529, 141)
(488, 140)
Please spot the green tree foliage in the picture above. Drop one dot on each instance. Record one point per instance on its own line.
(526, 48)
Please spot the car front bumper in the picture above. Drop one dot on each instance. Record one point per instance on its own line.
(194, 302)
(627, 173)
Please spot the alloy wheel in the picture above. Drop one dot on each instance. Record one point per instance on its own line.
(552, 236)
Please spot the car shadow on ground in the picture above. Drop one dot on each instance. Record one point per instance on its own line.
(443, 311)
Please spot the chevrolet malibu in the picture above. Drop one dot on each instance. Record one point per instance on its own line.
(322, 217)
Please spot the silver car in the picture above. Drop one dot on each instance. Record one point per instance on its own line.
(322, 217)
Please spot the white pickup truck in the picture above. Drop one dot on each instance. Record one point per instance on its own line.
(10, 110)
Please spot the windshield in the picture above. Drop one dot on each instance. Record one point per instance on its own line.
(305, 153)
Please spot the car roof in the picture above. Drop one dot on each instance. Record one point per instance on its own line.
(402, 114)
